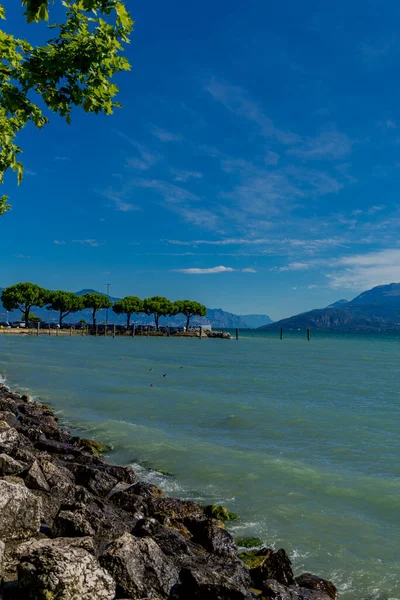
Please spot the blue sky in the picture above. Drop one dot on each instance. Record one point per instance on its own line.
(254, 166)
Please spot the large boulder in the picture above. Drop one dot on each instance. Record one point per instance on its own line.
(10, 466)
(266, 564)
(34, 478)
(9, 437)
(313, 582)
(218, 581)
(72, 524)
(2, 552)
(20, 512)
(212, 536)
(171, 542)
(273, 590)
(99, 482)
(64, 571)
(139, 567)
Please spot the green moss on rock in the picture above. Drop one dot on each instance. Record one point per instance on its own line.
(215, 511)
(254, 558)
(248, 542)
(94, 447)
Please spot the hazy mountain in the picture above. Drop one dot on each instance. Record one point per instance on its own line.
(377, 309)
(338, 303)
(255, 321)
(216, 317)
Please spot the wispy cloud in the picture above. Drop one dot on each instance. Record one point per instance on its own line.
(166, 136)
(331, 145)
(88, 242)
(59, 242)
(118, 197)
(61, 158)
(363, 271)
(208, 271)
(249, 270)
(180, 175)
(309, 244)
(147, 158)
(30, 173)
(20, 256)
(387, 124)
(295, 266)
(237, 100)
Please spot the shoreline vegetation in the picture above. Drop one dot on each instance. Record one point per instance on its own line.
(110, 330)
(74, 526)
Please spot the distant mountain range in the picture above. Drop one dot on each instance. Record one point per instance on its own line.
(216, 317)
(377, 309)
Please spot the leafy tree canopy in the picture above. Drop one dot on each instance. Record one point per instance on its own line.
(65, 303)
(190, 308)
(23, 296)
(95, 302)
(159, 306)
(127, 306)
(74, 68)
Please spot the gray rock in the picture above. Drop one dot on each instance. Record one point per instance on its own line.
(9, 418)
(10, 466)
(56, 476)
(274, 565)
(20, 512)
(9, 437)
(2, 552)
(276, 591)
(224, 581)
(71, 524)
(312, 582)
(35, 479)
(212, 536)
(63, 571)
(140, 567)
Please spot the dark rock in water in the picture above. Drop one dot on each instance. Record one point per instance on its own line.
(10, 466)
(20, 512)
(248, 542)
(212, 536)
(129, 502)
(122, 474)
(93, 447)
(139, 567)
(64, 571)
(146, 490)
(213, 582)
(312, 582)
(215, 511)
(267, 564)
(72, 524)
(272, 590)
(34, 478)
(98, 482)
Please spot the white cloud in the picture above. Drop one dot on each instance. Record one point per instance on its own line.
(209, 271)
(60, 242)
(166, 136)
(364, 271)
(88, 242)
(29, 172)
(180, 175)
(327, 145)
(294, 288)
(249, 270)
(237, 100)
(295, 266)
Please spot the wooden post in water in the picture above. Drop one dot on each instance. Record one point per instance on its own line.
(114, 330)
(96, 329)
(281, 334)
(200, 332)
(237, 333)
(70, 331)
(133, 330)
(37, 328)
(49, 329)
(147, 331)
(308, 334)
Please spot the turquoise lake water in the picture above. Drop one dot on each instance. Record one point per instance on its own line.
(302, 439)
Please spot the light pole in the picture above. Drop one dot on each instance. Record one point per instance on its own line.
(108, 294)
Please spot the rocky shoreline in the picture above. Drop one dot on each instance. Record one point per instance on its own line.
(73, 526)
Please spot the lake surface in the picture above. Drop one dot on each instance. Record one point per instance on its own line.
(302, 439)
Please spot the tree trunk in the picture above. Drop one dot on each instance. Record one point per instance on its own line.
(128, 320)
(61, 318)
(187, 322)
(94, 317)
(156, 318)
(26, 314)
